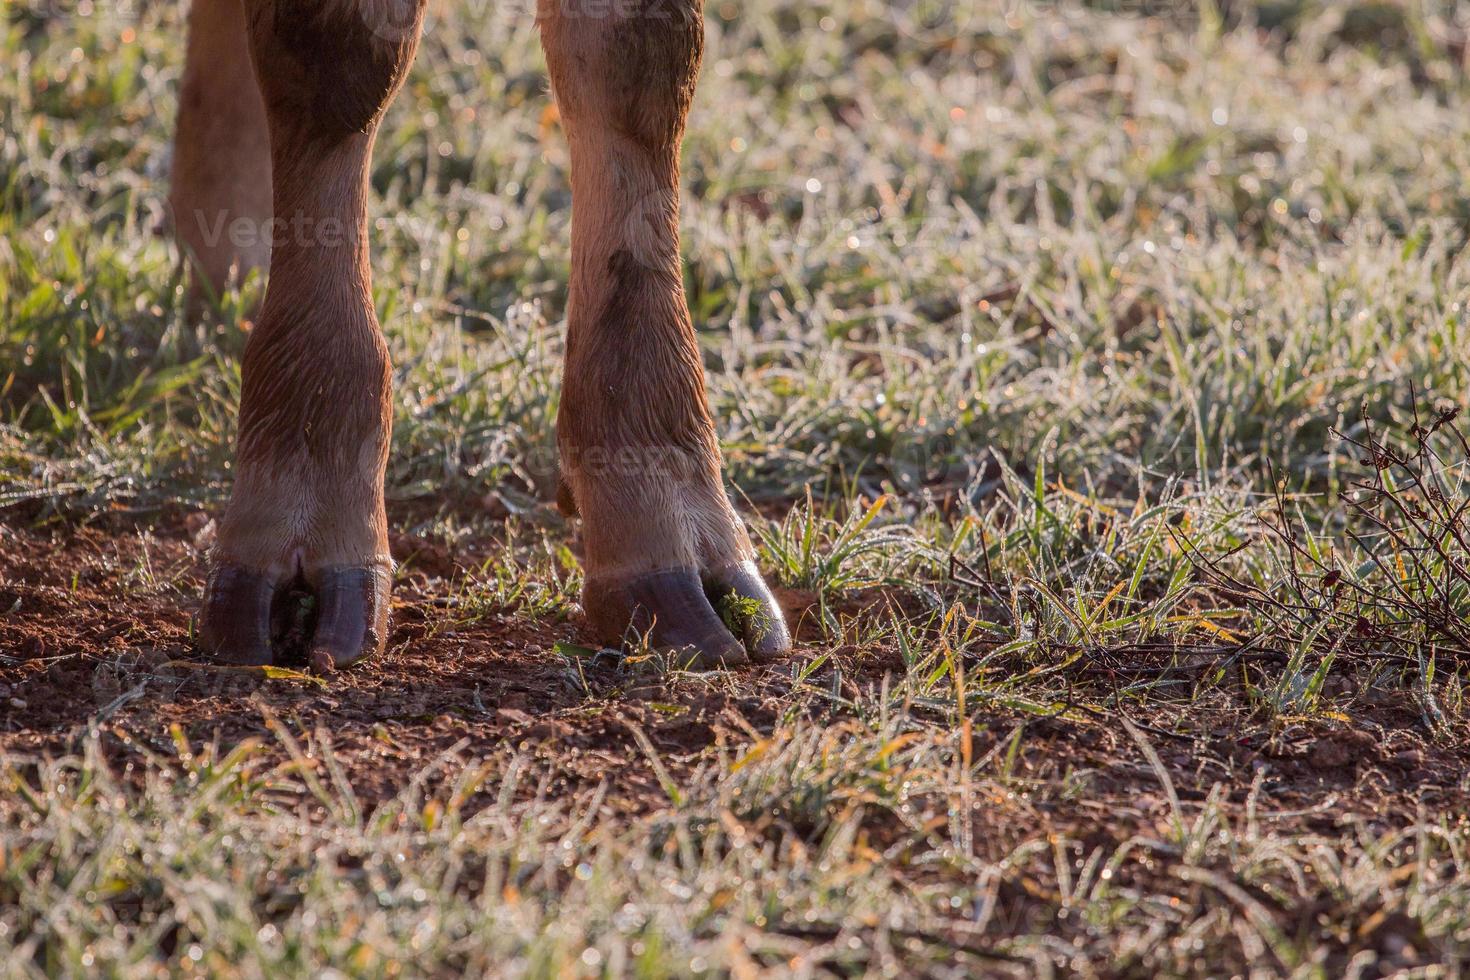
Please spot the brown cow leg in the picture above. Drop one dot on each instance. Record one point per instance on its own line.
(221, 194)
(664, 548)
(307, 507)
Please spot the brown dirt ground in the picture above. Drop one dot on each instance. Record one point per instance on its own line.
(87, 639)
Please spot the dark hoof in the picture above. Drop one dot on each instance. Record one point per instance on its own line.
(692, 618)
(249, 619)
(744, 601)
(352, 616)
(235, 623)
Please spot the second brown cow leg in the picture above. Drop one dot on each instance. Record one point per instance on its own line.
(664, 548)
(221, 193)
(307, 505)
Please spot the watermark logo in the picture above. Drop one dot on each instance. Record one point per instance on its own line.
(394, 21)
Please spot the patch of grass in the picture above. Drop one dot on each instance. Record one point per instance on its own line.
(539, 580)
(742, 615)
(847, 846)
(809, 550)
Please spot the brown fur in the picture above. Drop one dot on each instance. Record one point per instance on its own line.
(315, 412)
(222, 150)
(646, 393)
(637, 441)
(639, 450)
(653, 64)
(333, 65)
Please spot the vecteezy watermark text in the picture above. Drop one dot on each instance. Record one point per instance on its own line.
(300, 229)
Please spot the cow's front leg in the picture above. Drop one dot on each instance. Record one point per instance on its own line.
(665, 552)
(307, 505)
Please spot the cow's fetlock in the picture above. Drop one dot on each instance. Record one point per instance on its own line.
(667, 558)
(301, 570)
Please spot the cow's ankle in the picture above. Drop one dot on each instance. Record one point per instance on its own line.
(668, 561)
(301, 569)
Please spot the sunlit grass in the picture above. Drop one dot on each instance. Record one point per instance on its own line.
(1054, 351)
